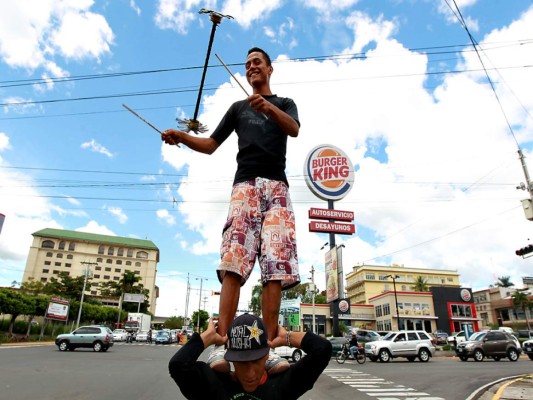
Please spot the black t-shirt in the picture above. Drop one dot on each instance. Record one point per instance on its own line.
(197, 380)
(262, 143)
(353, 341)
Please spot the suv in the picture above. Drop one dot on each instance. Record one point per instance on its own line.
(441, 337)
(99, 338)
(528, 348)
(493, 344)
(409, 344)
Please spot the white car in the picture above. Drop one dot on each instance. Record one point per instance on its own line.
(142, 336)
(456, 338)
(120, 335)
(289, 352)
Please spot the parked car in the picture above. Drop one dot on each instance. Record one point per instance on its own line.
(120, 335)
(337, 343)
(456, 338)
(163, 337)
(365, 336)
(409, 344)
(289, 352)
(491, 344)
(524, 335)
(142, 336)
(528, 348)
(383, 333)
(441, 336)
(99, 338)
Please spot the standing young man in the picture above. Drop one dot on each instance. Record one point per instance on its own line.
(248, 350)
(260, 221)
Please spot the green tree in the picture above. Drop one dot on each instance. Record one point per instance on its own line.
(204, 318)
(66, 286)
(129, 283)
(504, 281)
(13, 303)
(174, 322)
(521, 300)
(421, 284)
(31, 286)
(255, 302)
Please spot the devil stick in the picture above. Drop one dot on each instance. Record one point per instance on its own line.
(145, 121)
(193, 124)
(236, 80)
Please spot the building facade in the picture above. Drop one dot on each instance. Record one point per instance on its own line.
(367, 281)
(108, 257)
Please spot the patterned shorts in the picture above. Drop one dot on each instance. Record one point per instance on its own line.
(260, 225)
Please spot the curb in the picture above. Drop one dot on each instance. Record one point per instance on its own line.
(497, 389)
(19, 344)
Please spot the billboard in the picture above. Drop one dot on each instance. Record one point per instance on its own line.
(57, 309)
(332, 277)
(134, 297)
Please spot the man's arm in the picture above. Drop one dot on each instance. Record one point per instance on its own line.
(284, 120)
(199, 144)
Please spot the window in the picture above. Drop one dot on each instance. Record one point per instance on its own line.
(383, 277)
(119, 262)
(99, 260)
(423, 335)
(412, 336)
(130, 252)
(68, 265)
(109, 261)
(128, 262)
(142, 254)
(116, 278)
(67, 273)
(120, 252)
(45, 271)
(106, 277)
(118, 270)
(449, 279)
(49, 254)
(43, 279)
(386, 309)
(97, 276)
(71, 246)
(57, 264)
(137, 264)
(137, 272)
(98, 268)
(101, 249)
(70, 256)
(48, 244)
(47, 263)
(59, 255)
(111, 251)
(400, 337)
(108, 269)
(61, 245)
(370, 276)
(55, 271)
(379, 313)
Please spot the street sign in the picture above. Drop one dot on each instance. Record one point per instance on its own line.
(327, 213)
(331, 227)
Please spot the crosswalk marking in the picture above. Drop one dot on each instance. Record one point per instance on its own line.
(375, 387)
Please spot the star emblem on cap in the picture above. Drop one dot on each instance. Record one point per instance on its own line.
(255, 332)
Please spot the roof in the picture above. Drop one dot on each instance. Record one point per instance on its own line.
(95, 238)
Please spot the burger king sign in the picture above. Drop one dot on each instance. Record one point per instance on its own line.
(328, 172)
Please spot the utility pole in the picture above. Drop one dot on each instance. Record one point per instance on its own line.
(86, 272)
(313, 293)
(200, 300)
(187, 301)
(527, 204)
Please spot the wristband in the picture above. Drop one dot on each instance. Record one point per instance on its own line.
(289, 338)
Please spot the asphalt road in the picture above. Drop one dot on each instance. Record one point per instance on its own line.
(139, 371)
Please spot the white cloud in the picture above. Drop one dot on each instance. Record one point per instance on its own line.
(118, 213)
(94, 227)
(135, 7)
(4, 142)
(97, 148)
(165, 216)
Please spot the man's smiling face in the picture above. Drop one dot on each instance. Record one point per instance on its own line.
(257, 71)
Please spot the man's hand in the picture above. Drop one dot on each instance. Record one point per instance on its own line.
(210, 335)
(172, 136)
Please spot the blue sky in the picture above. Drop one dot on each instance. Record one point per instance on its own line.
(395, 84)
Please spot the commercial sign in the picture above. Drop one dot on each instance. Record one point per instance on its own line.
(332, 277)
(327, 213)
(134, 297)
(57, 309)
(344, 306)
(335, 227)
(328, 172)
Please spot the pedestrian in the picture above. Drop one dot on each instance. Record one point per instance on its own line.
(260, 222)
(248, 350)
(149, 337)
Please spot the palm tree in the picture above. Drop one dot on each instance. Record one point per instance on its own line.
(255, 303)
(504, 281)
(521, 300)
(421, 285)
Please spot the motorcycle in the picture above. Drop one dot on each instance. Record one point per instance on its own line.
(345, 354)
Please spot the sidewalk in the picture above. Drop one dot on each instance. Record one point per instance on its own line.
(515, 388)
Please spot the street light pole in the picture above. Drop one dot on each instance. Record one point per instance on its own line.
(313, 292)
(394, 277)
(87, 271)
(200, 301)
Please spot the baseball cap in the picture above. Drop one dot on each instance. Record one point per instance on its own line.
(247, 339)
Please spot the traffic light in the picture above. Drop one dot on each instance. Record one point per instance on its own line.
(524, 250)
(216, 293)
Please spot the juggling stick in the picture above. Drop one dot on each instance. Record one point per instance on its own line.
(193, 124)
(145, 121)
(236, 80)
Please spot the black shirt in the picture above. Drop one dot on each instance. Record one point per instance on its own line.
(262, 143)
(197, 380)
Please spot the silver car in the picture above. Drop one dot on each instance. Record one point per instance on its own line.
(408, 344)
(99, 338)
